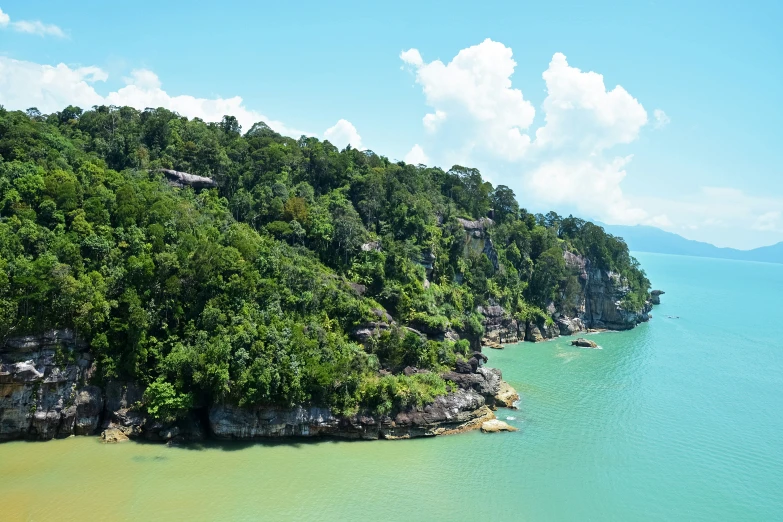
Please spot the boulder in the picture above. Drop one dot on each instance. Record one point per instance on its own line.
(506, 396)
(584, 343)
(495, 426)
(183, 179)
(533, 333)
(113, 436)
(463, 367)
(570, 326)
(485, 381)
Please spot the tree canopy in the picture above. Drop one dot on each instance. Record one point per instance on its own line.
(241, 293)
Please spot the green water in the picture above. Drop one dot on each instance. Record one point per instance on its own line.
(679, 419)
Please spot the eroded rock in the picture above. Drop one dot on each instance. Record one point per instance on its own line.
(495, 426)
(584, 343)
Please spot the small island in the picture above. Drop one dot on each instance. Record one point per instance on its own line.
(170, 280)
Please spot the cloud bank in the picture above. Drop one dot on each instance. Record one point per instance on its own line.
(51, 88)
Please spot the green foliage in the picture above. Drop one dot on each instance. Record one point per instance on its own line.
(394, 392)
(241, 293)
(162, 401)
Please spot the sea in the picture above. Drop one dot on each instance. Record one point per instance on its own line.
(678, 419)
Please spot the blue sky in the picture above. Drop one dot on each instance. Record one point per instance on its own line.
(708, 166)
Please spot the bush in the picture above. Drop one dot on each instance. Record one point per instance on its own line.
(162, 401)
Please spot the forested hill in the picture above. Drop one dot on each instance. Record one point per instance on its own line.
(248, 292)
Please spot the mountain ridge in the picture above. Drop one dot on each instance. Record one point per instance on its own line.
(642, 238)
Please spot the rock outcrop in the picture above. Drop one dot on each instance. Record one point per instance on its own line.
(447, 413)
(601, 301)
(477, 239)
(599, 305)
(584, 343)
(495, 426)
(183, 179)
(478, 391)
(43, 388)
(45, 393)
(499, 326)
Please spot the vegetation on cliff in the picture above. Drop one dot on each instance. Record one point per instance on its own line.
(249, 292)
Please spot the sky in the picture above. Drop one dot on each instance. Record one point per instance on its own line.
(663, 113)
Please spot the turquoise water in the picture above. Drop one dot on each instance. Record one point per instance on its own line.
(679, 419)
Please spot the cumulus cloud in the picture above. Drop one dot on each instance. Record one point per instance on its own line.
(582, 115)
(342, 134)
(51, 88)
(416, 156)
(474, 88)
(433, 120)
(566, 161)
(586, 184)
(661, 119)
(30, 26)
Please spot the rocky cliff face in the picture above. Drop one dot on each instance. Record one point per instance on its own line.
(45, 393)
(477, 240)
(603, 293)
(43, 388)
(599, 306)
(477, 392)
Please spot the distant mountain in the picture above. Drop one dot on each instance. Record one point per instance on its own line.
(650, 239)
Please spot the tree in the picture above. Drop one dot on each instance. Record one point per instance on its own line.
(504, 203)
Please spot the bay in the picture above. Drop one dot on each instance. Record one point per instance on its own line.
(678, 419)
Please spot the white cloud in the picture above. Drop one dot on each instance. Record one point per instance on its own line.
(416, 156)
(30, 26)
(724, 216)
(343, 133)
(582, 115)
(412, 57)
(591, 186)
(475, 90)
(475, 103)
(52, 88)
(582, 120)
(433, 120)
(661, 119)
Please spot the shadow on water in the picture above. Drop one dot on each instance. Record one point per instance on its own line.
(239, 445)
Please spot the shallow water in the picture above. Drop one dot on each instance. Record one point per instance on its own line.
(679, 419)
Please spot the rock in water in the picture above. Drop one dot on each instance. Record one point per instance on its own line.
(113, 435)
(506, 396)
(584, 343)
(495, 426)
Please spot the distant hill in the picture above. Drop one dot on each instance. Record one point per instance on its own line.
(651, 239)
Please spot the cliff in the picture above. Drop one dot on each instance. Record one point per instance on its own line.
(45, 394)
(600, 305)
